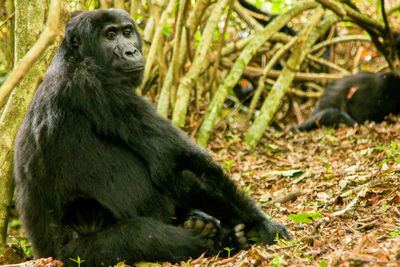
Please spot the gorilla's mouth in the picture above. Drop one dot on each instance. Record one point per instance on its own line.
(133, 69)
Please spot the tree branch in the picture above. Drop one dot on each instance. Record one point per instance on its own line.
(45, 39)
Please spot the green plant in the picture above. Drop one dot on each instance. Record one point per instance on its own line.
(28, 250)
(278, 261)
(280, 242)
(24, 244)
(271, 147)
(395, 234)
(229, 251)
(167, 30)
(384, 204)
(323, 263)
(228, 165)
(306, 217)
(77, 260)
(392, 155)
(269, 217)
(15, 223)
(247, 189)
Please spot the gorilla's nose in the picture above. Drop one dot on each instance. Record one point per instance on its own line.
(131, 53)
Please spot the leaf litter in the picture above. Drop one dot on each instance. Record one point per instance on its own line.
(329, 187)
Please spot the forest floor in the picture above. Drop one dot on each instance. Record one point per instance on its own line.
(328, 186)
(331, 187)
(338, 195)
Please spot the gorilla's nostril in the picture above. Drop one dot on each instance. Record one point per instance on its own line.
(129, 53)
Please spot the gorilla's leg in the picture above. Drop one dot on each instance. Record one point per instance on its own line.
(207, 226)
(138, 239)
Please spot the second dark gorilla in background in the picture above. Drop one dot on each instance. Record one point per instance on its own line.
(102, 176)
(355, 99)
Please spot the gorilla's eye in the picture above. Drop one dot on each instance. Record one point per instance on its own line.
(110, 35)
(127, 33)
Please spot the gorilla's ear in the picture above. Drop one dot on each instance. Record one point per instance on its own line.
(72, 30)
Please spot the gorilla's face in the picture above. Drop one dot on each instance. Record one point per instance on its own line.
(110, 37)
(120, 46)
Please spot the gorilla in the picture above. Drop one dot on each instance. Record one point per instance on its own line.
(355, 99)
(102, 176)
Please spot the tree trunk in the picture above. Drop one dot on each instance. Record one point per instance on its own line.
(241, 62)
(155, 9)
(156, 44)
(170, 78)
(119, 4)
(300, 50)
(29, 17)
(188, 81)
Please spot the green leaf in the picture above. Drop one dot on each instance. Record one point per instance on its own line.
(271, 147)
(394, 145)
(326, 165)
(306, 217)
(229, 251)
(15, 223)
(323, 263)
(383, 162)
(216, 35)
(381, 148)
(292, 173)
(197, 35)
(146, 264)
(167, 30)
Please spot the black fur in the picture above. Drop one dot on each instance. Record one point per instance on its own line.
(396, 42)
(357, 98)
(101, 175)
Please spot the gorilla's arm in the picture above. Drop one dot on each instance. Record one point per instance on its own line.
(327, 117)
(227, 198)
